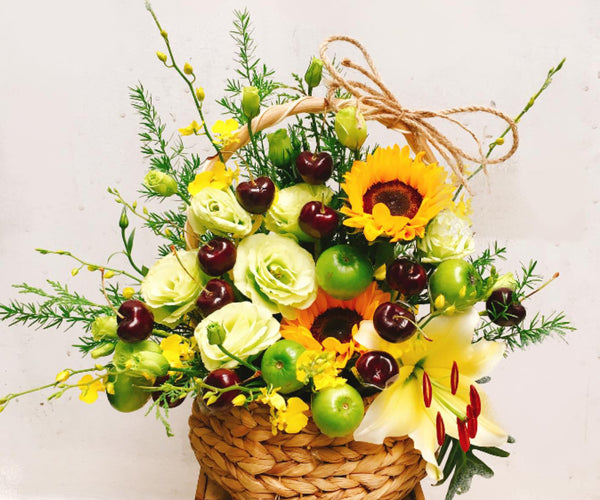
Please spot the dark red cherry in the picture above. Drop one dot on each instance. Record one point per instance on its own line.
(504, 309)
(406, 276)
(256, 196)
(223, 378)
(172, 403)
(135, 321)
(377, 368)
(314, 168)
(317, 220)
(216, 294)
(393, 322)
(217, 256)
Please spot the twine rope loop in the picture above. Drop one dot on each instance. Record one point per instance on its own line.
(377, 102)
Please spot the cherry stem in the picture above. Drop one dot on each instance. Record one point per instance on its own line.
(181, 263)
(554, 276)
(110, 304)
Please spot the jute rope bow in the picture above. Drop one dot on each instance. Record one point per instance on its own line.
(378, 103)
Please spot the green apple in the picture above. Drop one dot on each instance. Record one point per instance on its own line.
(128, 396)
(344, 272)
(278, 366)
(337, 411)
(456, 283)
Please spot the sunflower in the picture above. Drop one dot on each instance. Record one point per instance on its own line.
(330, 324)
(393, 195)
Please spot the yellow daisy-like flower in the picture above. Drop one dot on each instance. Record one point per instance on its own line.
(292, 418)
(218, 177)
(90, 388)
(225, 131)
(176, 349)
(192, 129)
(392, 195)
(330, 324)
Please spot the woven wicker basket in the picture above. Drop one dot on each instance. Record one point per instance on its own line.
(237, 450)
(238, 454)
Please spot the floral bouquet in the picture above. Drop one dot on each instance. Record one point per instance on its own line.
(318, 297)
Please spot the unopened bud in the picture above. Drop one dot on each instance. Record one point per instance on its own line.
(200, 94)
(250, 102)
(160, 183)
(101, 351)
(104, 327)
(63, 376)
(109, 274)
(187, 69)
(350, 128)
(92, 268)
(216, 334)
(75, 271)
(128, 292)
(110, 388)
(161, 57)
(124, 220)
(280, 148)
(314, 72)
(499, 141)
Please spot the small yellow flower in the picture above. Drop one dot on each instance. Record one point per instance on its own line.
(90, 388)
(321, 366)
(239, 400)
(63, 376)
(192, 129)
(292, 419)
(187, 69)
(225, 131)
(272, 398)
(128, 292)
(176, 349)
(463, 208)
(200, 94)
(161, 56)
(218, 177)
(379, 273)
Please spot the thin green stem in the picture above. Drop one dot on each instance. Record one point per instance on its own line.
(313, 122)
(121, 200)
(188, 83)
(128, 252)
(527, 107)
(239, 360)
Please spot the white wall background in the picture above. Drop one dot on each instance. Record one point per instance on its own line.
(67, 132)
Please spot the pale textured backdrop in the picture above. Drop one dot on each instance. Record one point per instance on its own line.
(67, 132)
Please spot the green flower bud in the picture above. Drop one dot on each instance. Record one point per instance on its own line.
(250, 102)
(140, 359)
(216, 334)
(104, 327)
(314, 72)
(280, 148)
(350, 128)
(103, 350)
(160, 183)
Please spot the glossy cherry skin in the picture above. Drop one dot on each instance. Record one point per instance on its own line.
(504, 309)
(217, 256)
(377, 368)
(406, 276)
(223, 378)
(314, 168)
(317, 220)
(393, 322)
(216, 294)
(135, 321)
(256, 196)
(157, 394)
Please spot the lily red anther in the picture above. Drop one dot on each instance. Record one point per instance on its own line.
(463, 435)
(475, 401)
(471, 422)
(427, 390)
(440, 429)
(454, 378)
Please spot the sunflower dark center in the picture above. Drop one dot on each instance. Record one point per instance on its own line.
(336, 322)
(400, 198)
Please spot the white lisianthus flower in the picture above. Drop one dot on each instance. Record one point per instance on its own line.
(447, 236)
(249, 330)
(275, 272)
(282, 217)
(218, 211)
(171, 287)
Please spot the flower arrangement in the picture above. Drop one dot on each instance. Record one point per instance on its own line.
(332, 282)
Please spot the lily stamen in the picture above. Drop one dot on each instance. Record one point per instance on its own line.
(471, 422)
(463, 435)
(475, 401)
(440, 429)
(454, 377)
(427, 390)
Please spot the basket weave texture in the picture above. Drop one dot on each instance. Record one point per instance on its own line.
(238, 451)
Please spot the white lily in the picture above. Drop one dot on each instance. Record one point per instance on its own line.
(435, 392)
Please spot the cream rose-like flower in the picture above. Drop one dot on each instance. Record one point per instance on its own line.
(282, 217)
(249, 330)
(447, 236)
(218, 211)
(172, 285)
(276, 273)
